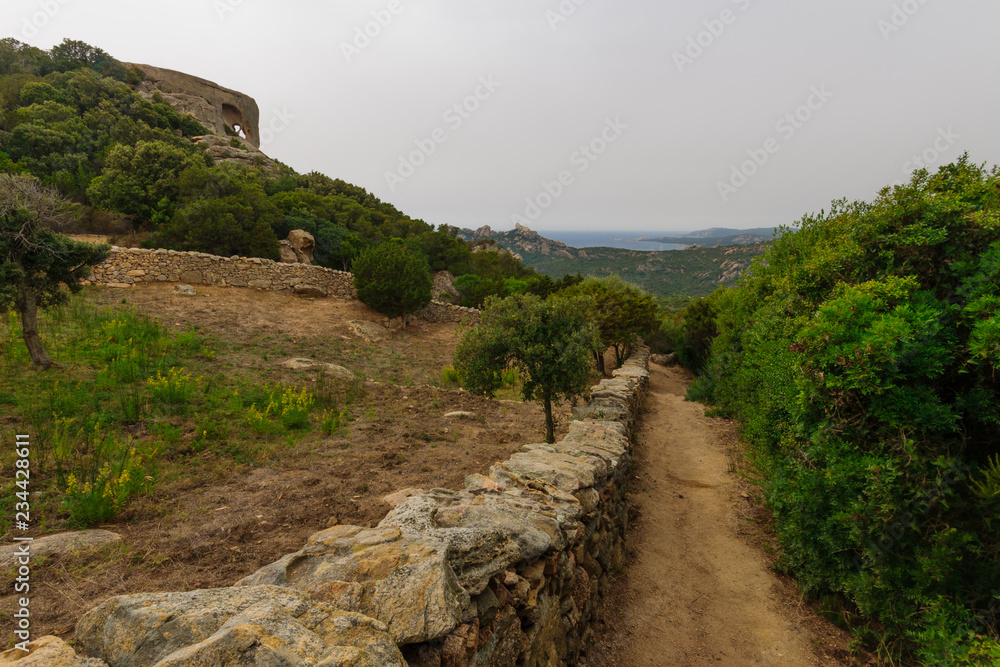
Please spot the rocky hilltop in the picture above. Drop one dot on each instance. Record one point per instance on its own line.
(522, 241)
(229, 114)
(221, 110)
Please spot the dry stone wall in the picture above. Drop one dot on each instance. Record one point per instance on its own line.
(127, 267)
(509, 571)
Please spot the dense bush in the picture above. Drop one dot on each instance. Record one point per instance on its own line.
(393, 279)
(861, 356)
(223, 211)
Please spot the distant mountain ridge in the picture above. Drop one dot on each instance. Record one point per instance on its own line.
(718, 236)
(521, 241)
(721, 232)
(695, 271)
(524, 241)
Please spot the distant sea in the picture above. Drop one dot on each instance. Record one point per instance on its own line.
(609, 240)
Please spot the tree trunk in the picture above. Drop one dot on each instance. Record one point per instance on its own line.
(599, 358)
(550, 426)
(28, 306)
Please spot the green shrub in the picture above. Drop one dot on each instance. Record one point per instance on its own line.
(392, 279)
(117, 470)
(860, 355)
(209, 431)
(174, 390)
(332, 421)
(285, 407)
(696, 331)
(450, 377)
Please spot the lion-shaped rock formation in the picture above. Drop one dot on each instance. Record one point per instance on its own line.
(221, 110)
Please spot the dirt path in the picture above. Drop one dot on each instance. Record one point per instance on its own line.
(697, 592)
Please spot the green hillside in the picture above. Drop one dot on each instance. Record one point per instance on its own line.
(133, 167)
(689, 272)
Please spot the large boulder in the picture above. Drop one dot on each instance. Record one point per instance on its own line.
(520, 527)
(251, 626)
(475, 552)
(303, 244)
(663, 359)
(404, 581)
(287, 254)
(311, 291)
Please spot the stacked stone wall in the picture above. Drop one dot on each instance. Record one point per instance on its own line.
(509, 571)
(128, 267)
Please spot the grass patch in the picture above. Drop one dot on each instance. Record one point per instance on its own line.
(125, 402)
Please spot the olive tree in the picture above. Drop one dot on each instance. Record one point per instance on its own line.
(34, 258)
(549, 343)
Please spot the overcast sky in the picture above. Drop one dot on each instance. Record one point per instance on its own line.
(654, 115)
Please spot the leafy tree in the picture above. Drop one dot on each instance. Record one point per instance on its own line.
(19, 58)
(475, 291)
(143, 180)
(73, 54)
(34, 259)
(623, 312)
(8, 166)
(697, 329)
(393, 279)
(549, 342)
(225, 212)
(446, 252)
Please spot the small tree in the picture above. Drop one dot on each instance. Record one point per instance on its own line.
(623, 314)
(550, 343)
(393, 279)
(34, 259)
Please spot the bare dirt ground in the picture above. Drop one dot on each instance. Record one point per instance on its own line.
(699, 589)
(214, 518)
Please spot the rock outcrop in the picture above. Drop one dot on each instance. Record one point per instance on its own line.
(222, 150)
(444, 288)
(518, 241)
(47, 652)
(223, 111)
